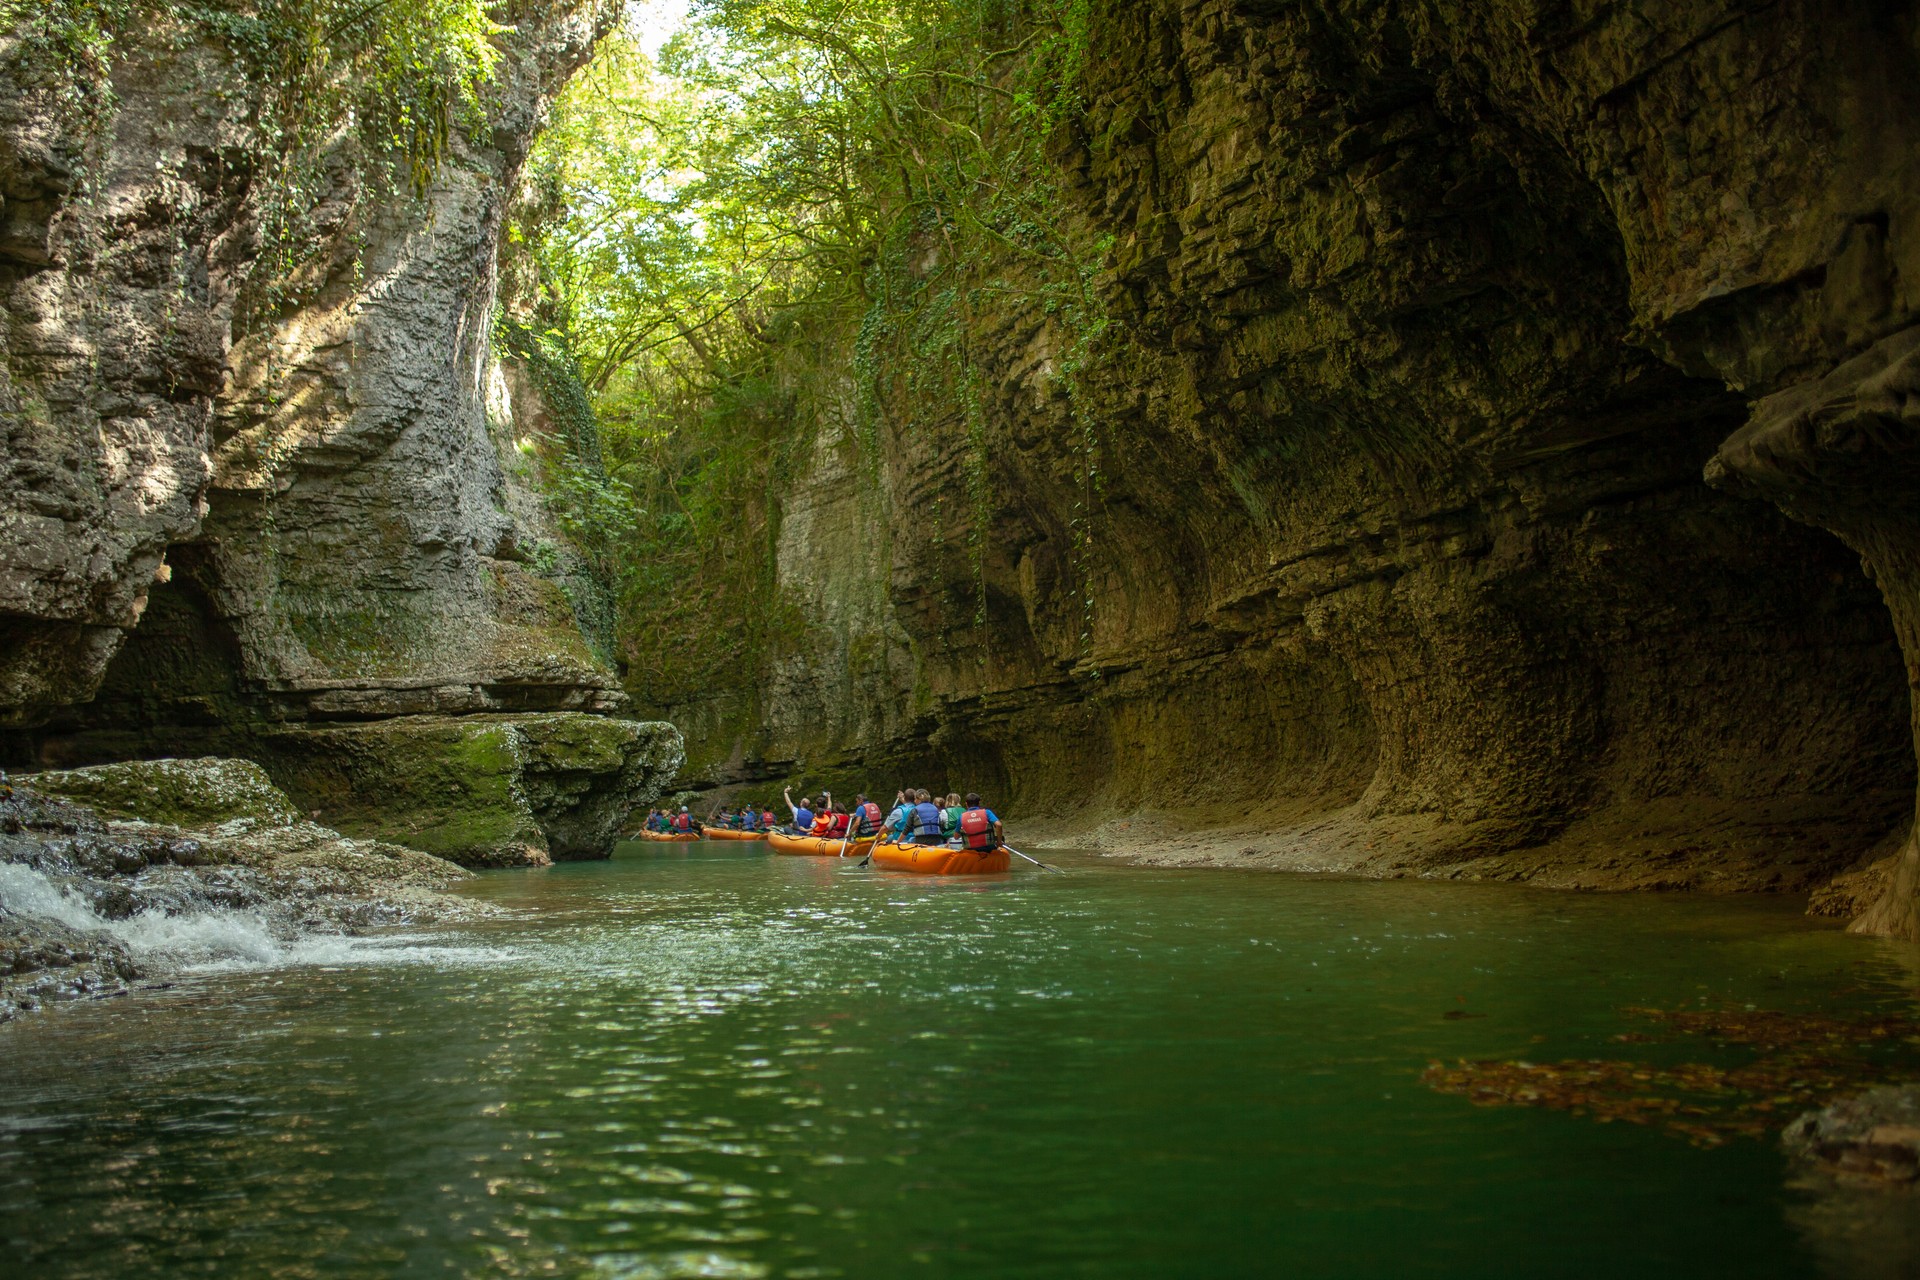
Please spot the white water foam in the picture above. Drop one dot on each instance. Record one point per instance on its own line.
(217, 938)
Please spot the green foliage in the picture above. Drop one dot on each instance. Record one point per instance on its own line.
(797, 179)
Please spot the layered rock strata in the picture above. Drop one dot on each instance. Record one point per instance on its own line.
(232, 505)
(1380, 540)
(322, 468)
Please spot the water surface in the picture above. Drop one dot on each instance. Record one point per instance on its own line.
(704, 1061)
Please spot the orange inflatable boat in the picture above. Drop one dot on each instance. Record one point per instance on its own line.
(938, 860)
(675, 837)
(725, 833)
(816, 846)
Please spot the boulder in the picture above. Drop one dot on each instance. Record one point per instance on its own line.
(483, 791)
(175, 793)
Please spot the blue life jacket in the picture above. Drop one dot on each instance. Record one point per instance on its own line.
(803, 818)
(926, 819)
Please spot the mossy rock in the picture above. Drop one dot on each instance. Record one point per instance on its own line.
(194, 794)
(483, 791)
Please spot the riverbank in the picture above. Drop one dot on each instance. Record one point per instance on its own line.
(122, 875)
(1737, 850)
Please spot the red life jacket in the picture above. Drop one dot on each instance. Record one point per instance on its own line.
(766, 819)
(976, 829)
(837, 826)
(681, 822)
(870, 815)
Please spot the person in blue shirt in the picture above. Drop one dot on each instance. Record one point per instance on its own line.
(980, 829)
(900, 818)
(802, 812)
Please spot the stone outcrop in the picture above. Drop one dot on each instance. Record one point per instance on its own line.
(115, 874)
(483, 791)
(235, 505)
(1407, 526)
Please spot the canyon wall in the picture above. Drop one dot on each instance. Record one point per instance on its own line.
(239, 502)
(1407, 521)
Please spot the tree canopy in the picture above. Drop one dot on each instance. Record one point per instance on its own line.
(792, 181)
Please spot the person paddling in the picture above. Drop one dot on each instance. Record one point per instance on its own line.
(866, 818)
(901, 819)
(980, 830)
(926, 819)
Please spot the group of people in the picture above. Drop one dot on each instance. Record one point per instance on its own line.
(668, 823)
(917, 817)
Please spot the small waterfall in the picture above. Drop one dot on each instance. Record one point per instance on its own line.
(188, 936)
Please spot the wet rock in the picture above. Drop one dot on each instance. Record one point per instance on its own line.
(1873, 1136)
(89, 902)
(483, 791)
(178, 793)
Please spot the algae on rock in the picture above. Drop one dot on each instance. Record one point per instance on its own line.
(484, 791)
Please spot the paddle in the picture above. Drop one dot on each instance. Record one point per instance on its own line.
(879, 838)
(1035, 861)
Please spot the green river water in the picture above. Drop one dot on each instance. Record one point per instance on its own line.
(705, 1061)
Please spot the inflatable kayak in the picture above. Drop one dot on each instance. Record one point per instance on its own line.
(938, 860)
(816, 846)
(727, 833)
(674, 837)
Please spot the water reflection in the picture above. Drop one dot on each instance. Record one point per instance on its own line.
(708, 1062)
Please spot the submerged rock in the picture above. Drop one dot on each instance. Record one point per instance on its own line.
(1873, 1136)
(96, 895)
(1858, 1197)
(483, 791)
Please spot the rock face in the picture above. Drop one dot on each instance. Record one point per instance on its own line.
(115, 264)
(1407, 523)
(320, 485)
(483, 791)
(113, 874)
(229, 513)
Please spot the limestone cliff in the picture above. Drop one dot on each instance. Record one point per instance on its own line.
(1383, 542)
(252, 483)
